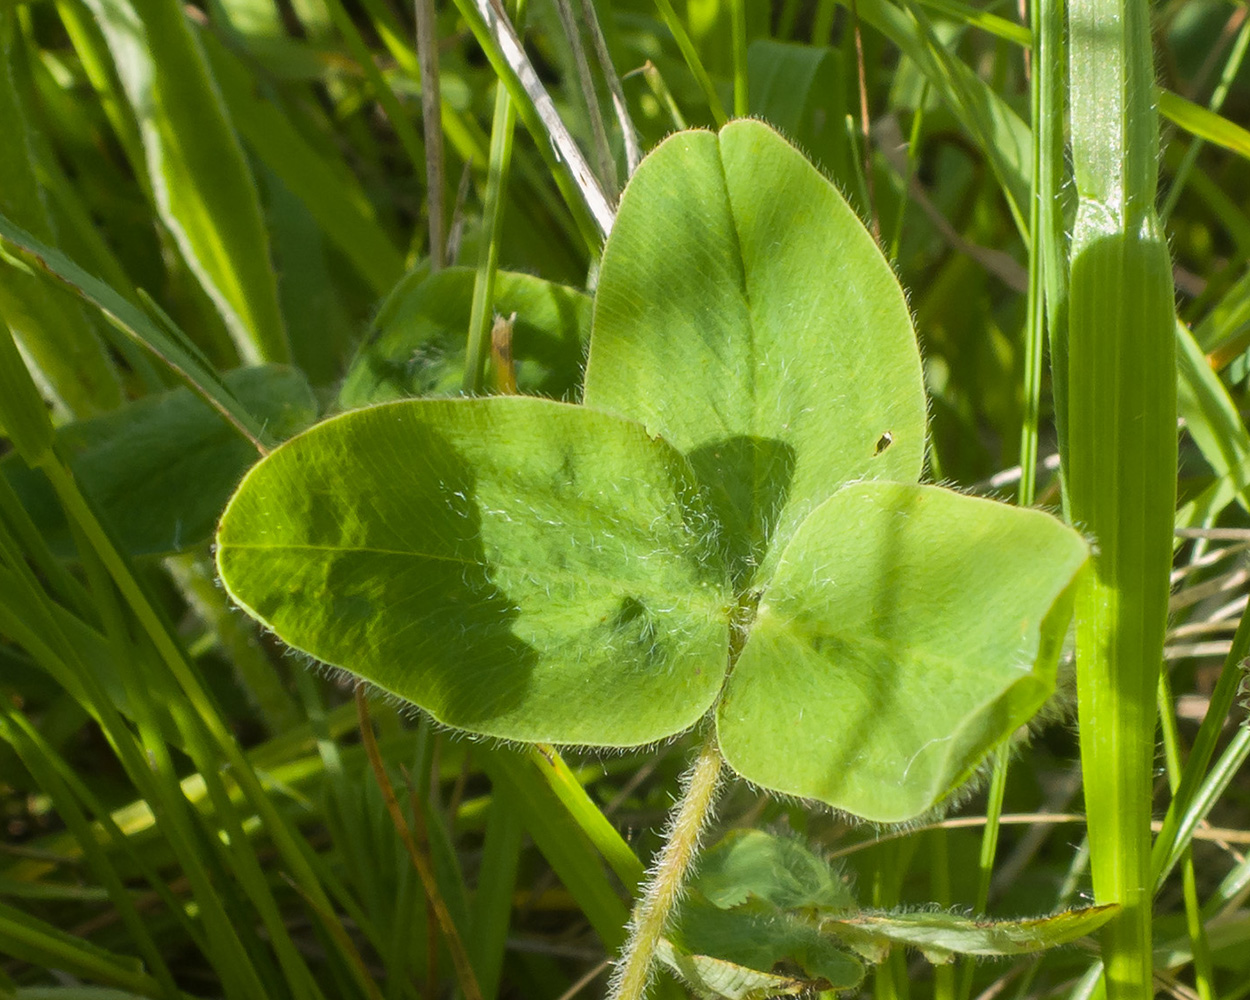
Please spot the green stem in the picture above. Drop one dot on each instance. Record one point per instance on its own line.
(695, 64)
(1194, 925)
(663, 889)
(501, 136)
(1047, 239)
(913, 157)
(655, 80)
(738, 14)
(432, 123)
(989, 846)
(1121, 461)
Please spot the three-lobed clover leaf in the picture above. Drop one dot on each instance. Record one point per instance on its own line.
(731, 522)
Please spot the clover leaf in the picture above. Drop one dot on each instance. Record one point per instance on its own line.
(765, 916)
(732, 522)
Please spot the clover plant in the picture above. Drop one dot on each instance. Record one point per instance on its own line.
(761, 902)
(728, 532)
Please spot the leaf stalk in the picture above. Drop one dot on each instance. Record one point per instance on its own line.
(663, 890)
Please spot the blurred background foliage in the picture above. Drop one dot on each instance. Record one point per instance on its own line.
(227, 204)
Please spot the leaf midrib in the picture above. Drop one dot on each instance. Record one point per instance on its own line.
(755, 522)
(612, 582)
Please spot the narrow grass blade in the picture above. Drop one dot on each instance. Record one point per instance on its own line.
(693, 62)
(420, 857)
(994, 126)
(432, 124)
(1224, 332)
(1046, 256)
(1204, 124)
(39, 943)
(1232, 65)
(199, 721)
(502, 130)
(91, 48)
(491, 908)
(563, 844)
(115, 839)
(590, 98)
(265, 687)
(577, 182)
(172, 349)
(1211, 416)
(145, 758)
(50, 326)
(1200, 122)
(204, 191)
(23, 417)
(61, 584)
(37, 756)
(382, 91)
(81, 238)
(1048, 273)
(325, 188)
(1194, 925)
(629, 135)
(1182, 815)
(662, 94)
(738, 16)
(152, 697)
(588, 817)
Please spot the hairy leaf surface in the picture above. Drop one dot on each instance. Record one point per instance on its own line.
(942, 936)
(520, 568)
(906, 626)
(744, 313)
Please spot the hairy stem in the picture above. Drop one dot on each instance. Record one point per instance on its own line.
(664, 888)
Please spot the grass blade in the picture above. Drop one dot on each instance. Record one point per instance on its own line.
(588, 817)
(577, 182)
(421, 860)
(39, 943)
(331, 195)
(496, 883)
(998, 131)
(695, 64)
(1182, 816)
(590, 97)
(204, 191)
(1204, 124)
(39, 760)
(1121, 463)
(432, 123)
(563, 844)
(50, 326)
(170, 346)
(501, 137)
